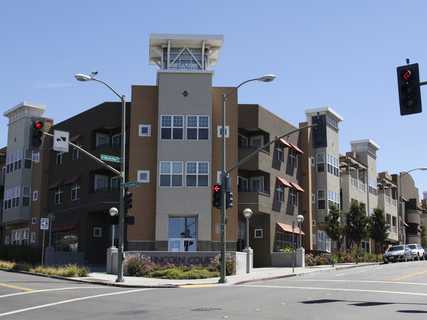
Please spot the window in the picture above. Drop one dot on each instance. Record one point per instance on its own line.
(59, 156)
(198, 127)
(279, 153)
(333, 165)
(58, 196)
(144, 130)
(75, 155)
(320, 162)
(35, 195)
(259, 233)
(321, 199)
(257, 141)
(35, 156)
(257, 184)
(143, 176)
(171, 173)
(182, 233)
(102, 139)
(116, 140)
(197, 173)
(115, 183)
(242, 184)
(101, 182)
(333, 199)
(97, 232)
(219, 131)
(75, 192)
(243, 141)
(292, 162)
(280, 194)
(172, 127)
(293, 197)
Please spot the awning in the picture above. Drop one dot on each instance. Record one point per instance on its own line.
(297, 187)
(296, 148)
(288, 228)
(285, 143)
(284, 182)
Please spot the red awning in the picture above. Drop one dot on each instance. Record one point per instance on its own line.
(285, 143)
(297, 187)
(288, 228)
(296, 148)
(284, 182)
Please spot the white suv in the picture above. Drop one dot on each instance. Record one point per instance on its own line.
(417, 251)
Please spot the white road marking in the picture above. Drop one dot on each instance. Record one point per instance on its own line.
(337, 289)
(363, 281)
(48, 290)
(69, 301)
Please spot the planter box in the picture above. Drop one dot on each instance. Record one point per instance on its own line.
(281, 259)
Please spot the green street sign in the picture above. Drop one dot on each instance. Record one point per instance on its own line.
(110, 158)
(131, 184)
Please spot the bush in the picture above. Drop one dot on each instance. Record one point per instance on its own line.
(230, 265)
(139, 266)
(183, 273)
(22, 267)
(7, 265)
(287, 249)
(71, 270)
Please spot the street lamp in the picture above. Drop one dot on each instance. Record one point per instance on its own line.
(300, 220)
(401, 203)
(113, 212)
(85, 77)
(265, 78)
(247, 213)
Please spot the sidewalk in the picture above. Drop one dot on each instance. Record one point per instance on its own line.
(257, 274)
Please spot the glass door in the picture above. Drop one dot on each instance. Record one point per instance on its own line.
(182, 234)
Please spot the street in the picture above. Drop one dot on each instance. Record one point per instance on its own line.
(393, 291)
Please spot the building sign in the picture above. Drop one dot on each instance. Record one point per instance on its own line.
(44, 223)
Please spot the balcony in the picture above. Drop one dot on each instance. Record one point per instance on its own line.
(413, 217)
(261, 161)
(257, 201)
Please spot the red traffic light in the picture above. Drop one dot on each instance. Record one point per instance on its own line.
(38, 125)
(216, 188)
(406, 75)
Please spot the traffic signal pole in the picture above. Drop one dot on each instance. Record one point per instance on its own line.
(223, 263)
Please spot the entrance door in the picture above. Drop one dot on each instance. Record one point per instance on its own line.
(182, 234)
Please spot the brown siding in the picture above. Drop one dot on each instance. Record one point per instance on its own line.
(143, 156)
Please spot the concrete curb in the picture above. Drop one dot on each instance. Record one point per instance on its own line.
(170, 286)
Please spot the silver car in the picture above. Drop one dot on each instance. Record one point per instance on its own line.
(417, 251)
(397, 253)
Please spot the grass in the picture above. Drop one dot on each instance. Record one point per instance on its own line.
(181, 273)
(70, 270)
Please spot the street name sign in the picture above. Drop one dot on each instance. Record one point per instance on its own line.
(61, 140)
(110, 158)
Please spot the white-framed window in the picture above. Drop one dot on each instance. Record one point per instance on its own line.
(292, 162)
(219, 131)
(115, 183)
(35, 156)
(279, 154)
(256, 141)
(257, 184)
(75, 192)
(258, 233)
(171, 173)
(102, 139)
(143, 176)
(333, 199)
(321, 203)
(97, 232)
(59, 196)
(75, 154)
(333, 165)
(197, 127)
(116, 140)
(144, 130)
(59, 157)
(171, 127)
(293, 197)
(242, 184)
(197, 173)
(280, 194)
(101, 182)
(35, 195)
(320, 162)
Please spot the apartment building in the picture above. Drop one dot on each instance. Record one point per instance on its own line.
(2, 178)
(321, 174)
(387, 202)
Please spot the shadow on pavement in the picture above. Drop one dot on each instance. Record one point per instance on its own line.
(411, 311)
(368, 304)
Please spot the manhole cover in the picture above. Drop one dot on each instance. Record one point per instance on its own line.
(206, 309)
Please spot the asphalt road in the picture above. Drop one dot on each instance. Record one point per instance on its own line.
(393, 291)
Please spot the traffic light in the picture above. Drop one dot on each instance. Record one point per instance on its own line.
(128, 200)
(37, 133)
(408, 81)
(216, 196)
(229, 199)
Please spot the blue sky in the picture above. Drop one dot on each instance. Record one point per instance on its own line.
(341, 54)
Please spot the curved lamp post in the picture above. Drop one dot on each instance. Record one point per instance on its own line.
(265, 78)
(113, 212)
(300, 220)
(401, 199)
(85, 77)
(247, 213)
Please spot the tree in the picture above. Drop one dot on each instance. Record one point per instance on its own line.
(378, 229)
(357, 224)
(334, 227)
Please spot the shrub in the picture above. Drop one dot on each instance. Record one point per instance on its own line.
(22, 267)
(230, 265)
(70, 270)
(183, 273)
(7, 265)
(287, 249)
(139, 266)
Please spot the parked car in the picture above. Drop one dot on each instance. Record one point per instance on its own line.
(417, 251)
(397, 253)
